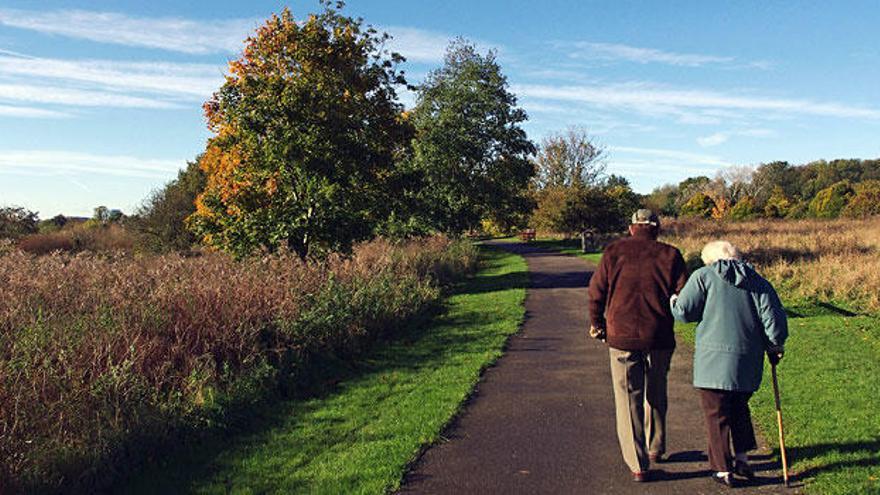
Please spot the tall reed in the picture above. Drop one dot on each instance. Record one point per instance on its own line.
(104, 357)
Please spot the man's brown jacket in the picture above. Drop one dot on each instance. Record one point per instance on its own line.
(629, 292)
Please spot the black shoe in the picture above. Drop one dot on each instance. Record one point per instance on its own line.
(743, 469)
(726, 480)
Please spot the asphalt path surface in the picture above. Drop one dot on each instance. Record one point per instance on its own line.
(542, 419)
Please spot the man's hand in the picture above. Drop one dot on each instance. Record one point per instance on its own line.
(598, 333)
(774, 354)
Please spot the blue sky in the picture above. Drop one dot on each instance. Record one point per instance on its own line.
(100, 101)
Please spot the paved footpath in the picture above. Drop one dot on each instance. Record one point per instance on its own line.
(542, 419)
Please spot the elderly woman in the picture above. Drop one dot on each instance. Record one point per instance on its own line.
(740, 318)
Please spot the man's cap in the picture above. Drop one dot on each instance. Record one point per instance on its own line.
(645, 216)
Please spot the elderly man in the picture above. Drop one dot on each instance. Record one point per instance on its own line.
(629, 309)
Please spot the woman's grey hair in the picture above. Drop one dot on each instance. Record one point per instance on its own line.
(719, 250)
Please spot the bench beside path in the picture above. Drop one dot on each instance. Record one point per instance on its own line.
(542, 419)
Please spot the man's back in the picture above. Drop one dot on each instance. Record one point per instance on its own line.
(629, 293)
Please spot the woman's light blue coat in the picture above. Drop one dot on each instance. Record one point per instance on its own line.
(740, 316)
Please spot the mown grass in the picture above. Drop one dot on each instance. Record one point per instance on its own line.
(360, 437)
(828, 382)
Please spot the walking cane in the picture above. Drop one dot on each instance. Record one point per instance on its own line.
(779, 423)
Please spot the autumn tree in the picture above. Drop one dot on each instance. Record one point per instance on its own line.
(306, 131)
(470, 149)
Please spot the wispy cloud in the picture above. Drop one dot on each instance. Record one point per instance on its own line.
(68, 162)
(652, 99)
(722, 137)
(682, 157)
(617, 52)
(31, 112)
(165, 33)
(614, 51)
(77, 97)
(165, 78)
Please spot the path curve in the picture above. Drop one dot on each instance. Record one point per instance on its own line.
(542, 419)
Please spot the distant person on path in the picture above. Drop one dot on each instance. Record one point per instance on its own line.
(629, 309)
(740, 318)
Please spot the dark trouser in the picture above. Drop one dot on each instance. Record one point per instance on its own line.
(727, 418)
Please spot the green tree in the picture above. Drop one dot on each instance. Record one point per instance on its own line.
(161, 218)
(865, 202)
(471, 152)
(829, 202)
(16, 222)
(662, 200)
(699, 205)
(307, 129)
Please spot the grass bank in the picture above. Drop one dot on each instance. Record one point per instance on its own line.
(361, 437)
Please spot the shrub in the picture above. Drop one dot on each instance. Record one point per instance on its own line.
(16, 222)
(778, 204)
(699, 205)
(104, 358)
(865, 202)
(829, 202)
(89, 236)
(744, 209)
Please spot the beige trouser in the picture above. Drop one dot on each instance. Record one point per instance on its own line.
(639, 379)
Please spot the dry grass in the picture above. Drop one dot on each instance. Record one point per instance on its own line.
(829, 260)
(100, 356)
(80, 238)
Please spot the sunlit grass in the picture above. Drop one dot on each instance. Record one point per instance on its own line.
(828, 383)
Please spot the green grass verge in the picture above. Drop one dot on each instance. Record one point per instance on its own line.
(829, 381)
(361, 437)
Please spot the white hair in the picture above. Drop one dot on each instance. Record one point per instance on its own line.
(719, 250)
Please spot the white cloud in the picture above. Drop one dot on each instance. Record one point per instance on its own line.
(722, 137)
(418, 45)
(681, 157)
(67, 162)
(426, 46)
(76, 97)
(652, 99)
(614, 51)
(30, 112)
(175, 79)
(713, 139)
(165, 33)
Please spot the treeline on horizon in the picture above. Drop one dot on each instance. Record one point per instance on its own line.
(819, 189)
